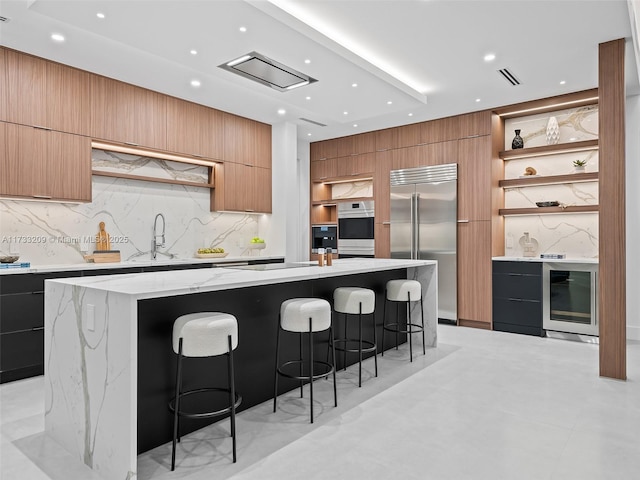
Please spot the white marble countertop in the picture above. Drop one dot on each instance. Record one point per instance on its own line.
(131, 264)
(543, 260)
(182, 282)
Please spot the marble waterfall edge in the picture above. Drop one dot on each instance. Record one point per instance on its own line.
(89, 377)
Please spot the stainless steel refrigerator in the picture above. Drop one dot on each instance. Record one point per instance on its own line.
(423, 224)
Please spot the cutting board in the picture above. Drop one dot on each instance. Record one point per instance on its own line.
(105, 256)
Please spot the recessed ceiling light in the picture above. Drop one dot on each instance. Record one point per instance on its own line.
(281, 111)
(355, 124)
(411, 114)
(345, 113)
(195, 83)
(243, 29)
(562, 82)
(572, 139)
(57, 37)
(389, 102)
(307, 98)
(489, 57)
(307, 61)
(100, 15)
(308, 134)
(193, 52)
(354, 85)
(477, 99)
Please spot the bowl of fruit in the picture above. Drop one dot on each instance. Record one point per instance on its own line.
(211, 253)
(257, 243)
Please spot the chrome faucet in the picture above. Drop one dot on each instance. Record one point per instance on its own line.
(154, 242)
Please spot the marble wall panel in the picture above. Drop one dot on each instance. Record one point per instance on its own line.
(561, 164)
(575, 235)
(568, 194)
(576, 124)
(59, 233)
(360, 189)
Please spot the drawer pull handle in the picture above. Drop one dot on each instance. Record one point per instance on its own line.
(386, 223)
(514, 299)
(516, 275)
(40, 127)
(133, 144)
(463, 221)
(44, 197)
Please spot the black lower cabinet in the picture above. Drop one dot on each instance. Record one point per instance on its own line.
(517, 297)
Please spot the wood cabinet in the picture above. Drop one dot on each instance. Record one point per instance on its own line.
(356, 165)
(4, 90)
(409, 135)
(424, 155)
(194, 129)
(474, 274)
(386, 139)
(474, 124)
(324, 149)
(382, 235)
(440, 130)
(242, 188)
(46, 164)
(475, 190)
(45, 94)
(382, 187)
(246, 141)
(125, 113)
(321, 170)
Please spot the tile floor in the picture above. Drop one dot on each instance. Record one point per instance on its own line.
(483, 405)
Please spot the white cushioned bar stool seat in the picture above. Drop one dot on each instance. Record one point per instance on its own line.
(305, 315)
(356, 301)
(403, 291)
(204, 334)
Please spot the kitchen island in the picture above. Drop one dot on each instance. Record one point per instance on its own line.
(109, 366)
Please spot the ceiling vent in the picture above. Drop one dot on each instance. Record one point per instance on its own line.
(4, 19)
(261, 69)
(313, 122)
(510, 77)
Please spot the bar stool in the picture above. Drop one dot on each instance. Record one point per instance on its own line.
(308, 315)
(403, 291)
(204, 334)
(356, 301)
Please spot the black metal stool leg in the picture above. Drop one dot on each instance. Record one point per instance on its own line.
(398, 322)
(409, 326)
(360, 346)
(384, 320)
(176, 405)
(333, 348)
(424, 348)
(301, 382)
(311, 365)
(275, 380)
(344, 352)
(232, 397)
(375, 343)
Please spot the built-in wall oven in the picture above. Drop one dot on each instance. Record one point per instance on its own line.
(324, 236)
(355, 229)
(570, 297)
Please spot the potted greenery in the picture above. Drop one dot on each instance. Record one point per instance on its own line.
(579, 165)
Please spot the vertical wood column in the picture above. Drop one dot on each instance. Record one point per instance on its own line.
(612, 280)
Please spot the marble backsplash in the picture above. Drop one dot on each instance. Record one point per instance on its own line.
(357, 189)
(576, 124)
(46, 233)
(575, 235)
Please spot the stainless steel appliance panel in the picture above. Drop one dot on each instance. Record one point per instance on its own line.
(424, 225)
(356, 228)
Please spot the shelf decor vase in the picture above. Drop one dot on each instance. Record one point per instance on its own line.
(517, 141)
(578, 169)
(553, 131)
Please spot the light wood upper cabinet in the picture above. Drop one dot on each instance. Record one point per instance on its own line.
(474, 272)
(324, 149)
(4, 90)
(37, 163)
(386, 139)
(246, 141)
(440, 130)
(474, 178)
(409, 135)
(323, 169)
(46, 94)
(425, 155)
(194, 129)
(125, 113)
(473, 124)
(242, 188)
(382, 186)
(355, 165)
(364, 143)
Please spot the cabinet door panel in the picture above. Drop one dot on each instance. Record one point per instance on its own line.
(4, 90)
(355, 165)
(381, 185)
(409, 135)
(22, 311)
(440, 130)
(262, 143)
(518, 312)
(68, 100)
(386, 139)
(474, 178)
(365, 143)
(324, 169)
(517, 286)
(69, 166)
(262, 187)
(382, 240)
(21, 349)
(26, 80)
(19, 177)
(477, 123)
(184, 126)
(474, 271)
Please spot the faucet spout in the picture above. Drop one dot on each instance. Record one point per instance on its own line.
(154, 241)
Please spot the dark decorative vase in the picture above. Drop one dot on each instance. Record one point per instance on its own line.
(517, 141)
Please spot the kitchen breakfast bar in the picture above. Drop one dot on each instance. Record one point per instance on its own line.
(110, 367)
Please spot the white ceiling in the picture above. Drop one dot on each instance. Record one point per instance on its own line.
(424, 56)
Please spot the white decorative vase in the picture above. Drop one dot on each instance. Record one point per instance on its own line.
(553, 131)
(578, 169)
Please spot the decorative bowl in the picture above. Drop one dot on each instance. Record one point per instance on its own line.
(211, 255)
(553, 203)
(9, 258)
(257, 246)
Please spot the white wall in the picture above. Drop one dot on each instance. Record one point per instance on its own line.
(633, 216)
(304, 196)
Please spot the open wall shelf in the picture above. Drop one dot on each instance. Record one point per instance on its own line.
(549, 150)
(547, 210)
(549, 180)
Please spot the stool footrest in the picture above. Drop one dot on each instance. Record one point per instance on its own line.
(394, 327)
(215, 413)
(367, 346)
(328, 366)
